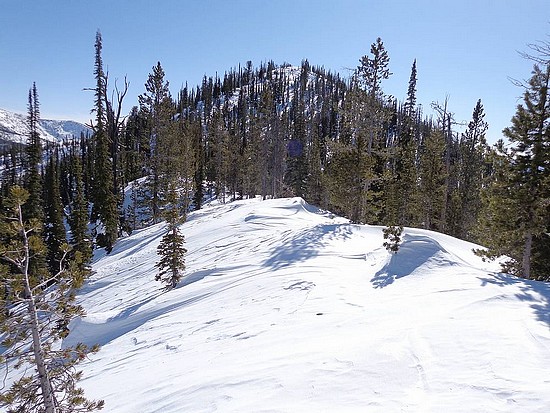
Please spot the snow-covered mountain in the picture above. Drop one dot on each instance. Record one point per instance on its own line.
(286, 308)
(14, 128)
(64, 129)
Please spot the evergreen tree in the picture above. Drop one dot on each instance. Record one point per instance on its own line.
(296, 160)
(33, 209)
(432, 179)
(523, 187)
(371, 131)
(54, 229)
(393, 234)
(198, 176)
(34, 318)
(136, 145)
(470, 174)
(78, 220)
(104, 209)
(401, 176)
(156, 103)
(171, 250)
(33, 178)
(314, 184)
(445, 120)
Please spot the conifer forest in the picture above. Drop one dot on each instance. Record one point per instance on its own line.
(259, 130)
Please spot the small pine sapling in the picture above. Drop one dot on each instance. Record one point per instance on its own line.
(392, 233)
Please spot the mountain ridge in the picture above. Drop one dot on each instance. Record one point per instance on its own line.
(14, 129)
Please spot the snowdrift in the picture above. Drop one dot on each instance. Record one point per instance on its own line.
(285, 308)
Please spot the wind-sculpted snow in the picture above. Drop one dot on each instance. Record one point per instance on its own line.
(285, 308)
(415, 253)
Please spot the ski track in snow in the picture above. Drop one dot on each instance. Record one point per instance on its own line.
(285, 308)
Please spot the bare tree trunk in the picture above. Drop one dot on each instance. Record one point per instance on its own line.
(526, 264)
(45, 383)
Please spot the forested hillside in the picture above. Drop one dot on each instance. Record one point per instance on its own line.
(340, 143)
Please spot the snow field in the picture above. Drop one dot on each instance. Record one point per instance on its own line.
(285, 308)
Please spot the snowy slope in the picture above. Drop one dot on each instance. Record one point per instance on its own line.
(288, 309)
(64, 129)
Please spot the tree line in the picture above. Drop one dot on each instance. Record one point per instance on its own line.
(270, 131)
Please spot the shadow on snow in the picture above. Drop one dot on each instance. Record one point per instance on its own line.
(129, 319)
(414, 252)
(306, 244)
(536, 293)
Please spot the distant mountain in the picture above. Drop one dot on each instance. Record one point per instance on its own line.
(14, 129)
(63, 129)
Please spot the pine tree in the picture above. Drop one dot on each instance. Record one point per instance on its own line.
(393, 234)
(198, 176)
(523, 185)
(34, 318)
(372, 119)
(432, 179)
(104, 209)
(54, 229)
(156, 103)
(400, 177)
(445, 120)
(33, 209)
(314, 183)
(171, 250)
(78, 220)
(33, 178)
(296, 160)
(470, 174)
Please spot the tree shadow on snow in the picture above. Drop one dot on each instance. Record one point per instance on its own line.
(414, 252)
(90, 333)
(306, 244)
(129, 319)
(202, 274)
(537, 293)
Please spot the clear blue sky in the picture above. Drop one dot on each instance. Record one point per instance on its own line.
(465, 49)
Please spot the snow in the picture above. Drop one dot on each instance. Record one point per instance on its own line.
(14, 128)
(286, 308)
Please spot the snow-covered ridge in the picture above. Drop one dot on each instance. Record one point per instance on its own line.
(285, 308)
(14, 128)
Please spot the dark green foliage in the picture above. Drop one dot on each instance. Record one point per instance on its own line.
(136, 145)
(373, 70)
(296, 164)
(432, 178)
(104, 202)
(469, 173)
(156, 104)
(78, 220)
(393, 235)
(54, 229)
(33, 178)
(171, 250)
(342, 181)
(516, 213)
(198, 175)
(33, 208)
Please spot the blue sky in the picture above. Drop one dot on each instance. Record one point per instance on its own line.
(465, 49)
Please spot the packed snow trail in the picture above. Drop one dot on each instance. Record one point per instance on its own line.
(285, 308)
